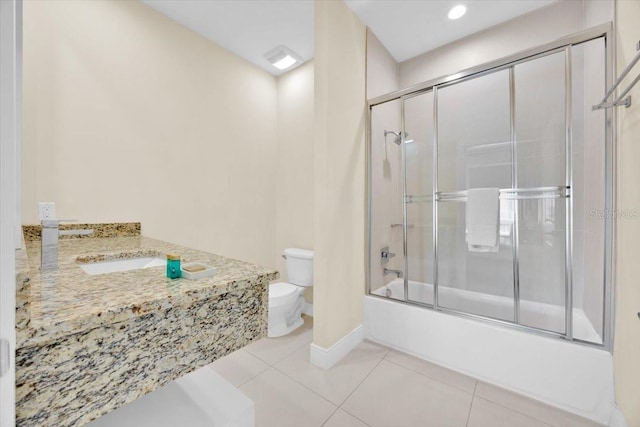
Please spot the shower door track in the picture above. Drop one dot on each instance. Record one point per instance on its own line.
(537, 193)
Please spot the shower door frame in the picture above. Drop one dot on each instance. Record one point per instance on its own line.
(507, 63)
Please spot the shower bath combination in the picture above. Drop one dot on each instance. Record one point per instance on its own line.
(534, 313)
(550, 272)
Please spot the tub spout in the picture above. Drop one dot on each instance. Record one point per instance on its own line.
(390, 271)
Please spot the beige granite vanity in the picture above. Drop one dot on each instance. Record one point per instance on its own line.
(90, 344)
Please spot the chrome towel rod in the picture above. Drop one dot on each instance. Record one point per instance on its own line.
(619, 100)
(505, 193)
(512, 194)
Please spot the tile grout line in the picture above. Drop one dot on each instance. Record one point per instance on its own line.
(327, 420)
(363, 380)
(387, 352)
(273, 366)
(526, 398)
(345, 399)
(356, 388)
(340, 405)
(302, 385)
(255, 376)
(281, 359)
(312, 391)
(270, 366)
(473, 398)
(362, 421)
(337, 407)
(517, 412)
(546, 406)
(297, 382)
(435, 379)
(249, 379)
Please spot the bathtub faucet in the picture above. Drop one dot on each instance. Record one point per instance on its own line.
(390, 271)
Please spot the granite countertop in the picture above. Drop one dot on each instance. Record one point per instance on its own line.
(66, 300)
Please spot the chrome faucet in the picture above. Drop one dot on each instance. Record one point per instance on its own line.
(49, 248)
(390, 271)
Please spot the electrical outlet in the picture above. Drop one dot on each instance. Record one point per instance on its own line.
(46, 210)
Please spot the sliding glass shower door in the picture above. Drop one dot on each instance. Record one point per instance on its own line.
(474, 151)
(525, 130)
(541, 124)
(418, 176)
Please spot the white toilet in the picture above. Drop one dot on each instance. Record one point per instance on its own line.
(286, 300)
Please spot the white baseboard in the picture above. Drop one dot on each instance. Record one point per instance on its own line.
(617, 418)
(308, 309)
(325, 358)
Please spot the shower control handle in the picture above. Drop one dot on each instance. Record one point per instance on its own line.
(385, 255)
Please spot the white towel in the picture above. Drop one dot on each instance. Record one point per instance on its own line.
(483, 219)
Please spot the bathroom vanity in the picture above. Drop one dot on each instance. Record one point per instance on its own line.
(88, 344)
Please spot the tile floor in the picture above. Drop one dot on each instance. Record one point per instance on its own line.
(372, 386)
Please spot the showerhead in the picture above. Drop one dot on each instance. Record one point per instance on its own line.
(398, 137)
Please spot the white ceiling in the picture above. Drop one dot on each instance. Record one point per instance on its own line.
(251, 28)
(248, 28)
(408, 28)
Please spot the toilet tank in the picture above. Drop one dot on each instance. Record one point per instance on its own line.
(299, 264)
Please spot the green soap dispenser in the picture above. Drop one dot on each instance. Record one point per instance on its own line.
(173, 266)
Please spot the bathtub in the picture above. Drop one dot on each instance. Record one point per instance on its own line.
(573, 377)
(536, 314)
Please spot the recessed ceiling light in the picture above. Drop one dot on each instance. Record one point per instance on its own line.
(457, 11)
(282, 58)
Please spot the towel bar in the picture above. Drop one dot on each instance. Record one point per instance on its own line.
(619, 101)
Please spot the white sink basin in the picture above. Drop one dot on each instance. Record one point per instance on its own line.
(127, 264)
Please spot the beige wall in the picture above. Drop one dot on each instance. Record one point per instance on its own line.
(130, 116)
(294, 164)
(339, 171)
(382, 69)
(627, 333)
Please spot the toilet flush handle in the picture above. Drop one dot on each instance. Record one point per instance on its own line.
(284, 256)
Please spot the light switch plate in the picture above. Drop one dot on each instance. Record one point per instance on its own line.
(46, 210)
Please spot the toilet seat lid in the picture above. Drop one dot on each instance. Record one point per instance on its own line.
(281, 290)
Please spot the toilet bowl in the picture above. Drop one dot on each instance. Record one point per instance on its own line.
(286, 299)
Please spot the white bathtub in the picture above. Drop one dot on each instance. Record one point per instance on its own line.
(543, 316)
(573, 377)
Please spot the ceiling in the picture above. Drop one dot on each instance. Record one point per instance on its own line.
(408, 28)
(248, 28)
(251, 28)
